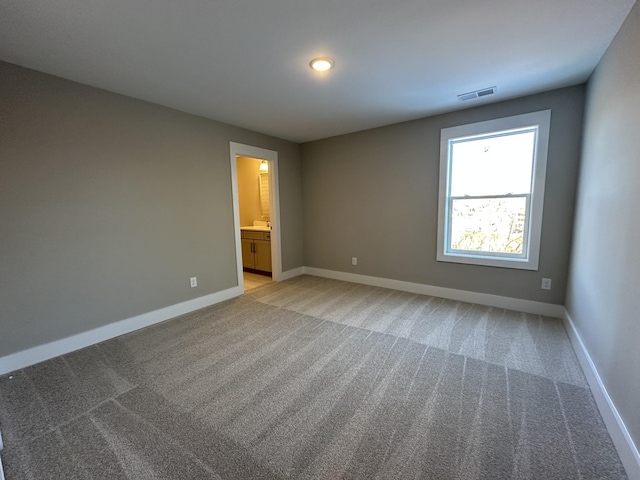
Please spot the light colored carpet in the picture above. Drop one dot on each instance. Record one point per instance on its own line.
(313, 378)
(530, 343)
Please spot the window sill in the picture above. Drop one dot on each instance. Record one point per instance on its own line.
(487, 261)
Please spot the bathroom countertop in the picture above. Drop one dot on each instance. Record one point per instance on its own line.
(256, 229)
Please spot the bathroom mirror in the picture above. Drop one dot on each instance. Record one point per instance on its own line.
(263, 185)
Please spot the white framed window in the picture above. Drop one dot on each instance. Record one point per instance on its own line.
(492, 177)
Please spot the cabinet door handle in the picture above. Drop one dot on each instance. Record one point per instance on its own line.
(253, 247)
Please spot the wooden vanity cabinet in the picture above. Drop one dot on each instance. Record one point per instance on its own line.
(256, 250)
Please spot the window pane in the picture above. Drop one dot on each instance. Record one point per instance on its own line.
(492, 165)
(488, 224)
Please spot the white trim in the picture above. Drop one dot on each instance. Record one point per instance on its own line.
(509, 303)
(31, 356)
(295, 272)
(270, 156)
(622, 440)
(274, 205)
(542, 121)
(236, 218)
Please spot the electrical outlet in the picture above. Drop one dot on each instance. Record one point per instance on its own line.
(194, 282)
(354, 260)
(546, 284)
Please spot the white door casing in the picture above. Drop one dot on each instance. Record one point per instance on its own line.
(270, 156)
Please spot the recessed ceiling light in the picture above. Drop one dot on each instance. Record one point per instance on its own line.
(321, 64)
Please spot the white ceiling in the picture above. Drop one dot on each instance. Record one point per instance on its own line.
(245, 62)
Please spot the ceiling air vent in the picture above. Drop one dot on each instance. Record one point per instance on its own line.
(477, 94)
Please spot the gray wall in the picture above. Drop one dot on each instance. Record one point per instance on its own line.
(604, 286)
(110, 204)
(374, 195)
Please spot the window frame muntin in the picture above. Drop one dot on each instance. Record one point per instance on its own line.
(529, 260)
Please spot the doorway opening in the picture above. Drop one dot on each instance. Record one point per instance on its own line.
(256, 214)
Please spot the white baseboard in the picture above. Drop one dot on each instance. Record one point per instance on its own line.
(31, 356)
(615, 425)
(527, 306)
(296, 272)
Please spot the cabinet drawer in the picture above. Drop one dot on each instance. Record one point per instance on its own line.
(254, 235)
